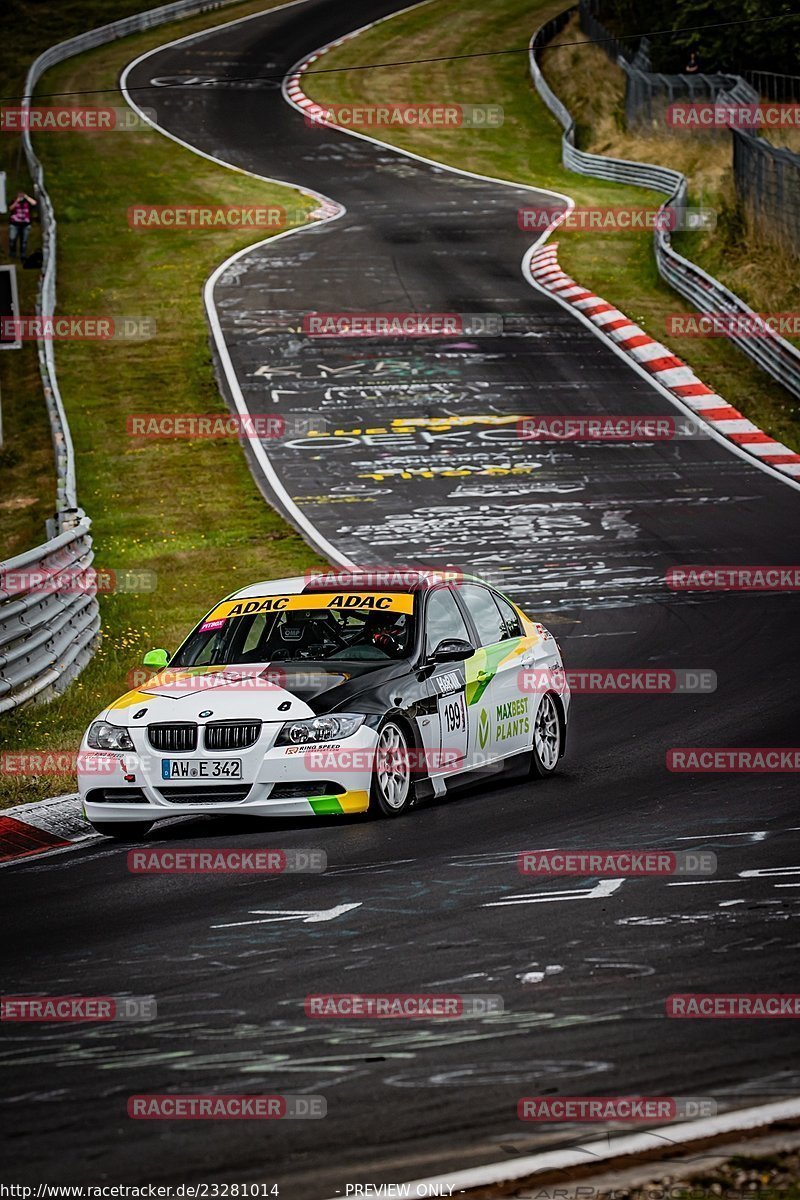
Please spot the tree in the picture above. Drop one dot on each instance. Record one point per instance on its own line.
(770, 43)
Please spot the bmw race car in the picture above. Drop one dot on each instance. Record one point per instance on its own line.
(331, 694)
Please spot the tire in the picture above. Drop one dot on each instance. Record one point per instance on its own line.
(123, 831)
(547, 738)
(392, 792)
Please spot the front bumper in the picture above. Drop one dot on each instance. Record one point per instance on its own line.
(276, 781)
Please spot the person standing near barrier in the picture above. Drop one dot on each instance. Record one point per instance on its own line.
(19, 224)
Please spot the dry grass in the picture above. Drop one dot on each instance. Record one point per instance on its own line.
(593, 89)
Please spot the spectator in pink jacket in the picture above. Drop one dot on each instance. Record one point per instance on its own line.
(19, 224)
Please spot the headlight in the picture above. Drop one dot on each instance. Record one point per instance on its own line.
(319, 729)
(103, 736)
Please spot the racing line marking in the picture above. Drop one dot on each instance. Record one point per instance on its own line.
(307, 916)
(606, 887)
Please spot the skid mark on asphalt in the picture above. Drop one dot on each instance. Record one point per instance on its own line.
(713, 916)
(545, 1071)
(276, 1048)
(630, 970)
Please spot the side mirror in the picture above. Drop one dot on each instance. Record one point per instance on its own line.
(452, 650)
(156, 658)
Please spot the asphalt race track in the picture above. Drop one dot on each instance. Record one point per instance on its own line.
(579, 534)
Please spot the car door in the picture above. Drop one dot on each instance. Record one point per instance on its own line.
(499, 716)
(444, 620)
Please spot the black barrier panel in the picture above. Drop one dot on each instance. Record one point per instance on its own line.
(9, 307)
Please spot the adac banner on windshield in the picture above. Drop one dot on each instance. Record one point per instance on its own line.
(398, 602)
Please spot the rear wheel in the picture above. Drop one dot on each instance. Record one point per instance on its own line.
(546, 738)
(392, 791)
(123, 831)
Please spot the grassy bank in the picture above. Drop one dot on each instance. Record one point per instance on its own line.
(527, 148)
(593, 89)
(26, 459)
(187, 510)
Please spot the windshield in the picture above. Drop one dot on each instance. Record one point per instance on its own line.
(297, 634)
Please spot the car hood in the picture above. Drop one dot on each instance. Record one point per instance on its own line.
(277, 691)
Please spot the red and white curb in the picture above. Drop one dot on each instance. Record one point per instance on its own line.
(659, 362)
(315, 112)
(40, 828)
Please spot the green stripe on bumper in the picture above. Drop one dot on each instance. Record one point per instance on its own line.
(324, 806)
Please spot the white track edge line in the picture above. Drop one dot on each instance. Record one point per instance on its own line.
(601, 1151)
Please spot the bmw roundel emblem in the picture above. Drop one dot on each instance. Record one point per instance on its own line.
(206, 712)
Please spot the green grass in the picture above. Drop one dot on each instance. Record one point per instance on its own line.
(187, 510)
(26, 456)
(527, 148)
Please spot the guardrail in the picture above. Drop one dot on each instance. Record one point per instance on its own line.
(48, 637)
(772, 353)
(772, 86)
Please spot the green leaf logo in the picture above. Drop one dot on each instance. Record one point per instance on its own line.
(483, 729)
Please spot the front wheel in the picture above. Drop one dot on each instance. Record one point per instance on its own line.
(123, 831)
(546, 738)
(392, 791)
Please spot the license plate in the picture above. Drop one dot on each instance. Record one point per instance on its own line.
(201, 768)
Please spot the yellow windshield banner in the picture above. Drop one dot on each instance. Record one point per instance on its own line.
(397, 602)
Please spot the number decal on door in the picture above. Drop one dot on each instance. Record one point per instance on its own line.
(453, 727)
(453, 714)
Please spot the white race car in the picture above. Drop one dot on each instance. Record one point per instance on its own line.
(309, 697)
